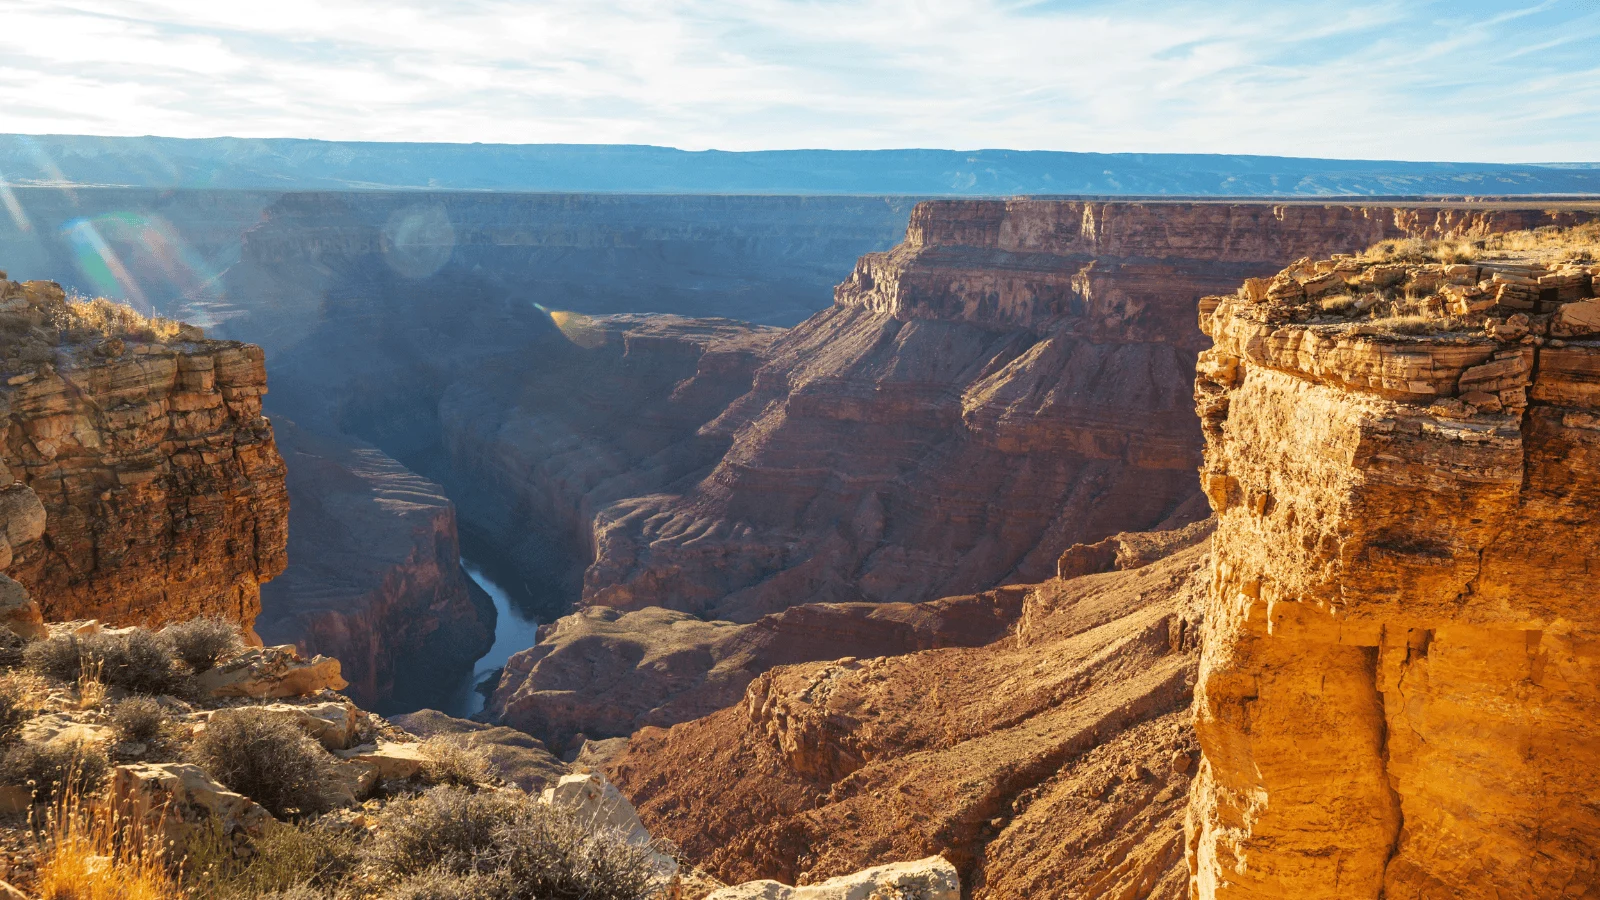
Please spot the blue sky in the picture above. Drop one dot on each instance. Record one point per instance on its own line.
(1444, 81)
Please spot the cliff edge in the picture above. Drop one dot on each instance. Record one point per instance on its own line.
(163, 491)
(1398, 689)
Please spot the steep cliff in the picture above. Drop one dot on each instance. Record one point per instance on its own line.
(1052, 762)
(374, 577)
(163, 491)
(1399, 685)
(1010, 380)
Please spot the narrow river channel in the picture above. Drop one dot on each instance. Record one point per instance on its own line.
(514, 630)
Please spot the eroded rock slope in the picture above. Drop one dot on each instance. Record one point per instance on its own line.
(1399, 687)
(1051, 762)
(163, 489)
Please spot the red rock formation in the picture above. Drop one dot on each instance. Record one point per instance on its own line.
(1052, 762)
(603, 673)
(1402, 652)
(1009, 381)
(163, 491)
(374, 577)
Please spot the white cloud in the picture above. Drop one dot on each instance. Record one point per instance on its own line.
(1464, 80)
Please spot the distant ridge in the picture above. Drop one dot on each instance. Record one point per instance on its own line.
(292, 164)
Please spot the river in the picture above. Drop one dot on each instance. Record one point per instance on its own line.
(514, 630)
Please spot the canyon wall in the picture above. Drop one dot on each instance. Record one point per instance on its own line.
(163, 491)
(374, 578)
(1009, 381)
(1401, 673)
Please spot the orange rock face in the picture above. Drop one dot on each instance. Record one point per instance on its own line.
(163, 492)
(1009, 381)
(1399, 690)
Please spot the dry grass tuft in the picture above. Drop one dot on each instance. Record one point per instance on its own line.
(91, 689)
(103, 318)
(454, 759)
(90, 852)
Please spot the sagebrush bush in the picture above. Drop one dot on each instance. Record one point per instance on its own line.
(17, 706)
(138, 720)
(541, 852)
(134, 660)
(288, 862)
(11, 648)
(268, 758)
(45, 768)
(452, 759)
(441, 884)
(202, 643)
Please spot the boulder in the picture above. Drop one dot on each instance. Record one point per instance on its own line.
(336, 725)
(19, 612)
(265, 673)
(597, 802)
(56, 728)
(388, 759)
(180, 797)
(932, 878)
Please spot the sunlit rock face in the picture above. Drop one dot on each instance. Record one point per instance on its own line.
(1401, 662)
(162, 488)
(1010, 380)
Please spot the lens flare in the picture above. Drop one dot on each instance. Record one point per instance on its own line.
(9, 197)
(577, 327)
(418, 240)
(101, 265)
(140, 257)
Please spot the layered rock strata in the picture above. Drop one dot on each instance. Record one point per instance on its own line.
(374, 576)
(604, 673)
(1010, 380)
(1399, 691)
(163, 491)
(1052, 762)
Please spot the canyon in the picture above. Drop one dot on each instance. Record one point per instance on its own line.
(927, 573)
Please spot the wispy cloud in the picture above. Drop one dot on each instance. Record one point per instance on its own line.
(1429, 80)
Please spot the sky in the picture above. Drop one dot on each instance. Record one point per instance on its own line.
(1465, 80)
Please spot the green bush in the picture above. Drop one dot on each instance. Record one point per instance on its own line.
(265, 756)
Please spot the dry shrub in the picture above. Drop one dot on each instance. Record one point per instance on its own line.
(1420, 250)
(441, 884)
(91, 687)
(89, 852)
(1408, 324)
(80, 318)
(134, 660)
(138, 720)
(540, 852)
(11, 648)
(293, 861)
(454, 759)
(19, 702)
(265, 756)
(45, 768)
(202, 643)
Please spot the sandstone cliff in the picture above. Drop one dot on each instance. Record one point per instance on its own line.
(374, 577)
(163, 490)
(1010, 380)
(1052, 762)
(1398, 691)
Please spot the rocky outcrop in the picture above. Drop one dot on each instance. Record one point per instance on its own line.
(1398, 687)
(162, 489)
(374, 577)
(516, 757)
(1009, 381)
(1042, 764)
(926, 879)
(604, 673)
